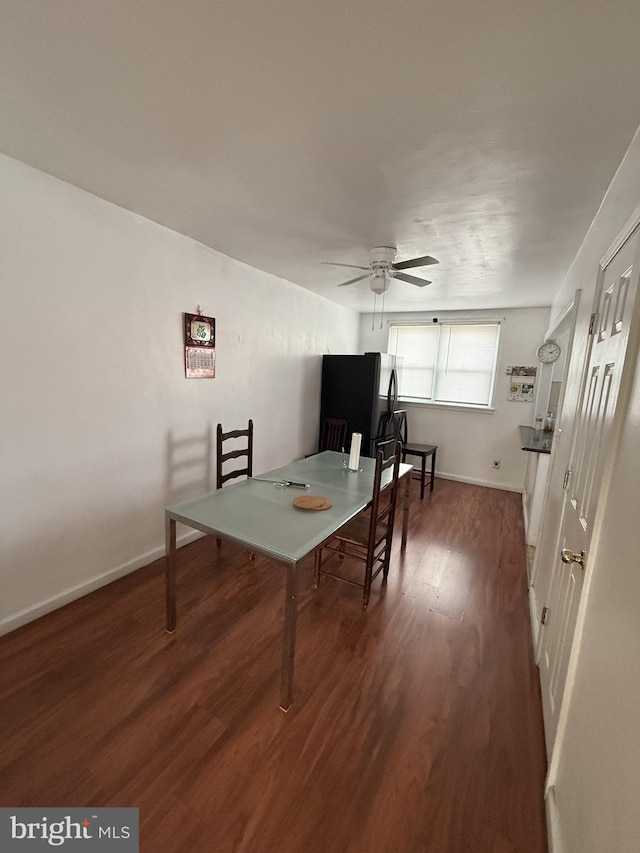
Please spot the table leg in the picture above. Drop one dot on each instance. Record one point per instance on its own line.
(289, 638)
(423, 475)
(405, 510)
(170, 571)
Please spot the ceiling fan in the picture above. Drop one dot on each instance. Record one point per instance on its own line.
(383, 268)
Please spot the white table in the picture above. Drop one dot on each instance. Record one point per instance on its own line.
(262, 517)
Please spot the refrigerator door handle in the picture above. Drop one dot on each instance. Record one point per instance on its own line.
(392, 394)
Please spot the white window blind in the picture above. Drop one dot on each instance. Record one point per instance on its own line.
(447, 362)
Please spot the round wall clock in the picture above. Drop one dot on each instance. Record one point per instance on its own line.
(549, 352)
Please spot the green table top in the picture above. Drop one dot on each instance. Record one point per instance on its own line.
(262, 516)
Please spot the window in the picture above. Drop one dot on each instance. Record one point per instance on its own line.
(447, 362)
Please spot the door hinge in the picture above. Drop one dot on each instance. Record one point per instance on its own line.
(592, 323)
(567, 477)
(543, 618)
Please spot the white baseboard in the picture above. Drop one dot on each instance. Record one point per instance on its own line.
(553, 822)
(525, 513)
(17, 620)
(535, 624)
(504, 487)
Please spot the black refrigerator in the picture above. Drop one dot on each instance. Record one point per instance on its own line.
(363, 390)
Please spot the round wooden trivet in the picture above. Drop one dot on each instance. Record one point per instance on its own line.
(312, 502)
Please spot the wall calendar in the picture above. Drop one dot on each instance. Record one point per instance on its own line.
(199, 346)
(521, 384)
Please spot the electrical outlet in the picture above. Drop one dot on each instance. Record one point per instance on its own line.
(496, 463)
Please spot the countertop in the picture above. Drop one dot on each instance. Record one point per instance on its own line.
(535, 440)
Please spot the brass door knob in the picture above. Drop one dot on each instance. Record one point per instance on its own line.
(568, 556)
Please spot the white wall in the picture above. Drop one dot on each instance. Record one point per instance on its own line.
(468, 441)
(595, 766)
(93, 389)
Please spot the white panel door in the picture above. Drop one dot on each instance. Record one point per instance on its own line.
(592, 436)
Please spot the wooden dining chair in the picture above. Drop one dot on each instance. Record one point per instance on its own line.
(368, 536)
(243, 453)
(334, 434)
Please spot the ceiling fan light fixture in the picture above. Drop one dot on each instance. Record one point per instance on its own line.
(380, 281)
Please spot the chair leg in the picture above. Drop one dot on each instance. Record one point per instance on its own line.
(387, 554)
(367, 583)
(316, 568)
(252, 556)
(387, 560)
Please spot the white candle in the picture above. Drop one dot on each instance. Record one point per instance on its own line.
(354, 456)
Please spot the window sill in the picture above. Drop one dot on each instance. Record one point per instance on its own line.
(452, 407)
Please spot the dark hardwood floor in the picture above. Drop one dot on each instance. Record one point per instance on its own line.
(416, 725)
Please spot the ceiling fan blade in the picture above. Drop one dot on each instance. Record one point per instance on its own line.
(412, 279)
(424, 261)
(353, 280)
(353, 266)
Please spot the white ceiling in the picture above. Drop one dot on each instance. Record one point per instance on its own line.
(285, 133)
